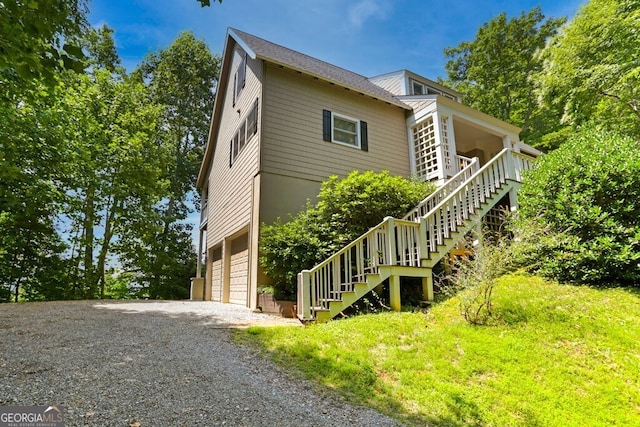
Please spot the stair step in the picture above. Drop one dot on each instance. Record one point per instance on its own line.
(344, 294)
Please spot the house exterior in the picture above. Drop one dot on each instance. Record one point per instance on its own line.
(283, 122)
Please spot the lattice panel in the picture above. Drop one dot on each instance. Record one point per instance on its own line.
(425, 149)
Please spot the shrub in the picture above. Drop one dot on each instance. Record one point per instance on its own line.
(475, 276)
(346, 209)
(586, 196)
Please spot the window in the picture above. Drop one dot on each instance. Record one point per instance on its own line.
(252, 120)
(242, 136)
(239, 78)
(248, 128)
(417, 88)
(345, 130)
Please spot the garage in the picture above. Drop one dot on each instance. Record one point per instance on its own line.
(239, 270)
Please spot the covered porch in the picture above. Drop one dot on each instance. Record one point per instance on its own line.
(445, 136)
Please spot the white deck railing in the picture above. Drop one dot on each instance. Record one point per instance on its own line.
(407, 241)
(470, 166)
(461, 204)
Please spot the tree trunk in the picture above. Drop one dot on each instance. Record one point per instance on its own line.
(104, 248)
(89, 218)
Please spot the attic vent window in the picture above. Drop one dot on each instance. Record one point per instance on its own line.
(418, 88)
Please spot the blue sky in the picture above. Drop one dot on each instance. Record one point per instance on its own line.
(369, 37)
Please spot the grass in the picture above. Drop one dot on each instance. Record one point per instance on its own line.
(552, 355)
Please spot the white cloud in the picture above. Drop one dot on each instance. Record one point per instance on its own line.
(365, 9)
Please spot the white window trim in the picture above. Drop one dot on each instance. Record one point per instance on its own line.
(422, 85)
(244, 123)
(358, 143)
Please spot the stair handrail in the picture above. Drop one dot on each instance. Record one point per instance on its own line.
(306, 278)
(513, 173)
(381, 239)
(506, 165)
(472, 165)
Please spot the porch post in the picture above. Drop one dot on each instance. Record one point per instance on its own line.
(199, 260)
(304, 295)
(427, 287)
(441, 161)
(391, 240)
(394, 292)
(453, 150)
(513, 199)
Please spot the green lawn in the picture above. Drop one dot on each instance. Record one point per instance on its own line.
(553, 356)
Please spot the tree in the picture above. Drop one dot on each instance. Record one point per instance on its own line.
(584, 199)
(36, 46)
(346, 209)
(493, 72)
(36, 38)
(183, 79)
(101, 48)
(116, 172)
(592, 70)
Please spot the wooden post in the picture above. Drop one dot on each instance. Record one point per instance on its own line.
(304, 295)
(422, 241)
(513, 198)
(394, 292)
(427, 287)
(199, 259)
(391, 240)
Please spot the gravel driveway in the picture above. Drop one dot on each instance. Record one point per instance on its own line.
(155, 364)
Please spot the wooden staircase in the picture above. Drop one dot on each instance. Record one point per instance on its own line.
(413, 245)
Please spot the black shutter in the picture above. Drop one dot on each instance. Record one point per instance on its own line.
(231, 153)
(244, 69)
(364, 137)
(255, 117)
(326, 125)
(235, 82)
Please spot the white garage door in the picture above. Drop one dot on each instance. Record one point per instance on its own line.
(239, 270)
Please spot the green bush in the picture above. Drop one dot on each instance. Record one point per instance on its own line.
(476, 275)
(586, 198)
(346, 209)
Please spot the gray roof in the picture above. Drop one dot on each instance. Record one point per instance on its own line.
(289, 58)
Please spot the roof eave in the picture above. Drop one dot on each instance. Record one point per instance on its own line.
(454, 105)
(217, 110)
(393, 101)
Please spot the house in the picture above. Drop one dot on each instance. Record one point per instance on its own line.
(283, 122)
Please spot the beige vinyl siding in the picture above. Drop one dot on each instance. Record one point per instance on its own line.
(285, 195)
(292, 131)
(216, 275)
(238, 271)
(394, 84)
(230, 187)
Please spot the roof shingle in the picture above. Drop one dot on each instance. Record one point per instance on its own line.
(289, 58)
